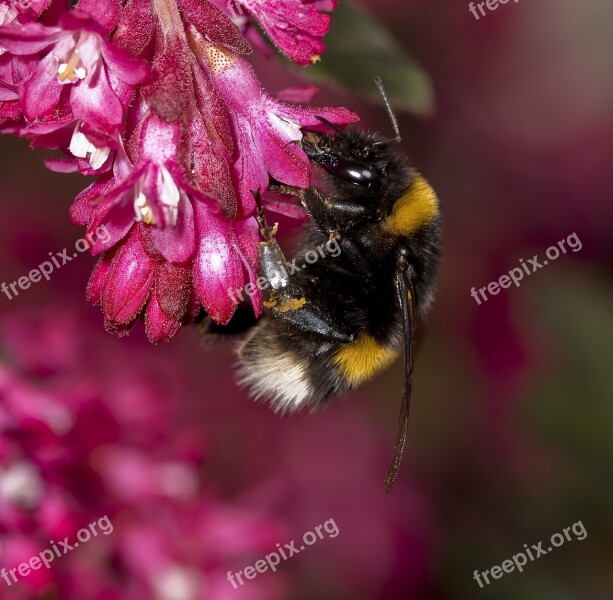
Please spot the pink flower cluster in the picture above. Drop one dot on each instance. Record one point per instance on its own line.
(76, 446)
(156, 98)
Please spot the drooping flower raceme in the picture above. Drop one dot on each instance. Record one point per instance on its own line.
(157, 99)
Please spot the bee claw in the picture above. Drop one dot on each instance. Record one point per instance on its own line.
(267, 232)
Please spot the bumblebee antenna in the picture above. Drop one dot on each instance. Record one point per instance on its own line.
(390, 110)
(332, 126)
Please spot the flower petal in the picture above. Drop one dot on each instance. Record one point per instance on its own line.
(28, 38)
(210, 22)
(251, 174)
(294, 26)
(218, 269)
(123, 65)
(118, 219)
(128, 282)
(173, 289)
(135, 27)
(168, 91)
(105, 12)
(177, 243)
(302, 94)
(284, 158)
(61, 165)
(40, 93)
(8, 92)
(95, 285)
(158, 326)
(93, 101)
(211, 155)
(248, 234)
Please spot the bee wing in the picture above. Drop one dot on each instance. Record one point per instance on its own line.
(406, 299)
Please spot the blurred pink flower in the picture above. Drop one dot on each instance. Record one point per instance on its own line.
(76, 446)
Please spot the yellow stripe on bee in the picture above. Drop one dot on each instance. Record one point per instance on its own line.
(416, 208)
(363, 359)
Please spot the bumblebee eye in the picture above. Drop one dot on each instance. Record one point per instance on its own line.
(353, 172)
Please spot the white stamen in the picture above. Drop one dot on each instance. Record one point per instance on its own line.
(141, 208)
(82, 147)
(170, 196)
(70, 67)
(285, 127)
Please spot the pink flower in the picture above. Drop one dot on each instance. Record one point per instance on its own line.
(296, 27)
(13, 70)
(76, 62)
(129, 282)
(268, 132)
(171, 246)
(157, 99)
(167, 243)
(135, 279)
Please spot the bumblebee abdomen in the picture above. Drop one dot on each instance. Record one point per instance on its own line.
(293, 369)
(273, 372)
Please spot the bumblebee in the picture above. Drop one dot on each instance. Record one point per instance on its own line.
(339, 321)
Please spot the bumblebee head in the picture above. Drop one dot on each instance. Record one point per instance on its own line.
(353, 158)
(361, 170)
(360, 163)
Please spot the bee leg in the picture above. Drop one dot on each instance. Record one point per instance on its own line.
(267, 232)
(282, 188)
(315, 204)
(325, 220)
(292, 307)
(272, 258)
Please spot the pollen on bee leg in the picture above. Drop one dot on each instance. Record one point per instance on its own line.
(291, 304)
